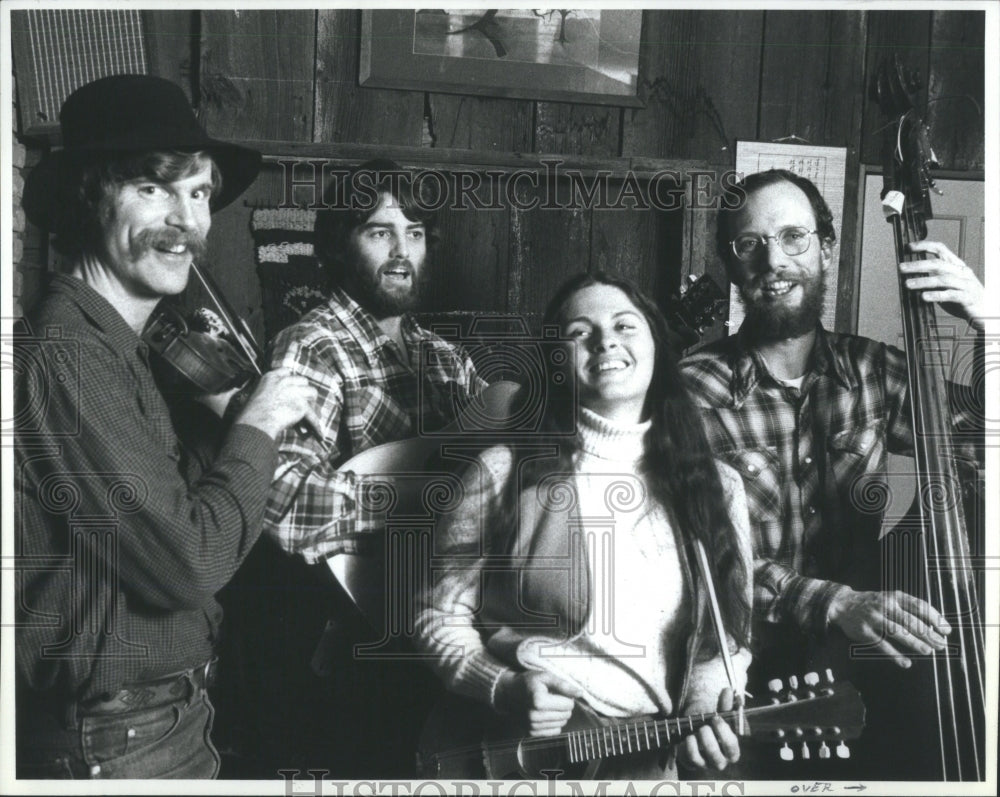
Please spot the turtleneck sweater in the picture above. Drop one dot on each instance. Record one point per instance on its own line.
(632, 648)
(639, 617)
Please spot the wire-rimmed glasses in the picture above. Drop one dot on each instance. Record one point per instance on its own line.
(792, 240)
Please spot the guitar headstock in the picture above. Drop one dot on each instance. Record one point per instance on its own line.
(818, 710)
(907, 156)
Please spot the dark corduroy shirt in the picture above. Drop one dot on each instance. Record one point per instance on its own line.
(122, 540)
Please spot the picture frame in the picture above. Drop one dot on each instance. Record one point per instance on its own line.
(588, 57)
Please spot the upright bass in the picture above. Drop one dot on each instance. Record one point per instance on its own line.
(947, 566)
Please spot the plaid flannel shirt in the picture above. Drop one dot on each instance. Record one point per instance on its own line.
(856, 396)
(367, 395)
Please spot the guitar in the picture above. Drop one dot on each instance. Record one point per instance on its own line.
(817, 713)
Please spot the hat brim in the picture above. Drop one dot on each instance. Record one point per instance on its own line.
(239, 167)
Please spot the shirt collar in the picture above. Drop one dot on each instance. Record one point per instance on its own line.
(363, 326)
(100, 312)
(748, 366)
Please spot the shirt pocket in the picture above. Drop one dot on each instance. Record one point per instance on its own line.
(373, 415)
(761, 474)
(856, 456)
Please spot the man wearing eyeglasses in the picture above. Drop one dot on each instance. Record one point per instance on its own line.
(807, 416)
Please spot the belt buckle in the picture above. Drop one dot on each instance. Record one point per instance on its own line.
(208, 670)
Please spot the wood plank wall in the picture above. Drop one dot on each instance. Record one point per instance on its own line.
(707, 78)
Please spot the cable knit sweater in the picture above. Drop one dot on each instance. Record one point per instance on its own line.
(631, 652)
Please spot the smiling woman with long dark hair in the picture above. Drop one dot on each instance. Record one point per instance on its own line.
(571, 570)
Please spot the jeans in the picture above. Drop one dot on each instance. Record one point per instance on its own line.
(166, 741)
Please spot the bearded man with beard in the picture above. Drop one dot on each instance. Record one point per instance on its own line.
(807, 417)
(380, 377)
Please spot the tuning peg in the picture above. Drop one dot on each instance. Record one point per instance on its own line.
(786, 753)
(811, 679)
(824, 751)
(804, 752)
(774, 686)
(843, 751)
(793, 682)
(829, 675)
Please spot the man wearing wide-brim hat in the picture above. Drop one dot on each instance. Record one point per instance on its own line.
(122, 538)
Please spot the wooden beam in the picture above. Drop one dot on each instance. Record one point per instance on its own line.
(452, 159)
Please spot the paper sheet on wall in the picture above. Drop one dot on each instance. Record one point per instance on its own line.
(827, 168)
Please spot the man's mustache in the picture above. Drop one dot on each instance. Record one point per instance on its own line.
(391, 264)
(166, 238)
(758, 280)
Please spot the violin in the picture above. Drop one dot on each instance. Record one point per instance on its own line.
(218, 357)
(943, 546)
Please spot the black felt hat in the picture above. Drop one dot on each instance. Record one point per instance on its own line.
(133, 113)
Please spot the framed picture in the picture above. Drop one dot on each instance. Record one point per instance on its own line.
(589, 56)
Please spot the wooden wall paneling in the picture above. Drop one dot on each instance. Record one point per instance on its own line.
(906, 33)
(256, 77)
(824, 104)
(480, 123)
(955, 87)
(698, 75)
(345, 112)
(641, 242)
(546, 246)
(470, 265)
(577, 129)
(812, 76)
(171, 47)
(626, 242)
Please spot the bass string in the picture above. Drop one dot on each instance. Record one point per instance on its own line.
(964, 599)
(910, 309)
